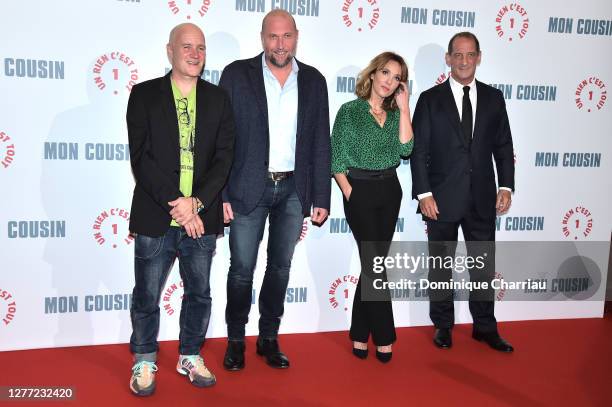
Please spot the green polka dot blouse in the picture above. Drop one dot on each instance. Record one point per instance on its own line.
(358, 141)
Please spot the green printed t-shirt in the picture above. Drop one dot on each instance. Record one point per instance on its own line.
(186, 115)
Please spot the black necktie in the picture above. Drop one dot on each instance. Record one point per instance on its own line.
(466, 115)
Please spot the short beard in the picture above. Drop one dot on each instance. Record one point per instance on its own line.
(277, 64)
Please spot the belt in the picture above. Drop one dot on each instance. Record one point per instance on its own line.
(359, 173)
(279, 176)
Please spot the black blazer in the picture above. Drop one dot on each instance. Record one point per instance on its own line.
(155, 156)
(244, 83)
(444, 164)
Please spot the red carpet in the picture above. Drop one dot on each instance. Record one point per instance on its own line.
(556, 363)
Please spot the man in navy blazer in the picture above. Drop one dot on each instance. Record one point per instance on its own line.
(281, 172)
(460, 126)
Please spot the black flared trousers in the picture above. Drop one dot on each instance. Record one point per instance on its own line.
(371, 213)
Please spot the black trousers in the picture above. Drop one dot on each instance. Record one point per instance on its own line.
(371, 213)
(479, 236)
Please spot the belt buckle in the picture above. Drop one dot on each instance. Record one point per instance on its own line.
(276, 176)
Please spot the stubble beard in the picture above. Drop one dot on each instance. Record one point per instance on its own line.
(279, 64)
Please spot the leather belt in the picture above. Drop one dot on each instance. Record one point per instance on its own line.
(279, 176)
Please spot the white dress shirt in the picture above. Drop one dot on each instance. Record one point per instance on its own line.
(282, 117)
(457, 90)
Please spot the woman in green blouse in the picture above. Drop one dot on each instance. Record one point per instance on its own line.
(370, 135)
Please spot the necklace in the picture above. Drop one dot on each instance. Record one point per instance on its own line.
(378, 113)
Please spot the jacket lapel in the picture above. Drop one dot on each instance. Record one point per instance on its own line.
(450, 107)
(302, 89)
(481, 103)
(259, 89)
(201, 112)
(169, 109)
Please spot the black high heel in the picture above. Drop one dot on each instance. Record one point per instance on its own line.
(360, 353)
(384, 357)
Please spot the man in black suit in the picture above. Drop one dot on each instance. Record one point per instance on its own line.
(459, 126)
(281, 171)
(181, 135)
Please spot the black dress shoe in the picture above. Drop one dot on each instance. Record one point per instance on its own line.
(493, 340)
(234, 355)
(442, 338)
(360, 353)
(268, 348)
(384, 357)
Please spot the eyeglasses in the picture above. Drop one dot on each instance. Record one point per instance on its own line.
(183, 112)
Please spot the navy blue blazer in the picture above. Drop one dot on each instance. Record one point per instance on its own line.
(444, 164)
(243, 81)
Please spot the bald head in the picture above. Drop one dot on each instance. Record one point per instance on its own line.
(277, 13)
(186, 51)
(184, 27)
(279, 39)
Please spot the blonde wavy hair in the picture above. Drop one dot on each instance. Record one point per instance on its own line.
(363, 88)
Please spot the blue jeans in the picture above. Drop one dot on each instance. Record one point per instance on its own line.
(153, 259)
(281, 203)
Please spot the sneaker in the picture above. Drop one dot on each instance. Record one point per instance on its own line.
(193, 366)
(142, 382)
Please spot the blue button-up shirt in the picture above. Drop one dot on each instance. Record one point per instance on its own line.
(282, 117)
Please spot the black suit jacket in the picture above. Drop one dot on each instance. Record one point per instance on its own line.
(155, 156)
(244, 83)
(444, 164)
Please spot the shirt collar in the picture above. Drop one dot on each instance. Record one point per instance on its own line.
(294, 66)
(456, 85)
(177, 93)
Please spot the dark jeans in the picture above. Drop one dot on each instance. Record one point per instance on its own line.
(153, 260)
(281, 204)
(371, 213)
(479, 236)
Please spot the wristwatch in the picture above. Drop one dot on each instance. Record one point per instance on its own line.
(199, 205)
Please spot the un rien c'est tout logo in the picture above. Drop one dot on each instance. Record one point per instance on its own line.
(112, 227)
(591, 93)
(172, 297)
(115, 71)
(7, 312)
(442, 77)
(189, 8)
(512, 21)
(7, 150)
(577, 223)
(339, 291)
(304, 231)
(360, 14)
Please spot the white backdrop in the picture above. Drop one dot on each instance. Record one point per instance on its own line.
(66, 68)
